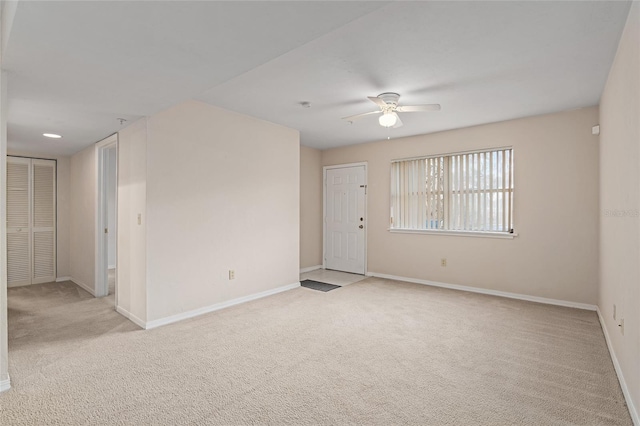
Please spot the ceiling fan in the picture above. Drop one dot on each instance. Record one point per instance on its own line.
(389, 108)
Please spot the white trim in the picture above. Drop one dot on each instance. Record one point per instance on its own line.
(343, 166)
(101, 252)
(5, 385)
(134, 319)
(364, 164)
(616, 365)
(481, 234)
(310, 268)
(83, 286)
(217, 306)
(509, 295)
(61, 279)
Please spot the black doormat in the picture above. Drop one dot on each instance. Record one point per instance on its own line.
(316, 285)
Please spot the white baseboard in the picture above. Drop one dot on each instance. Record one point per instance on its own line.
(489, 292)
(83, 285)
(5, 385)
(217, 306)
(310, 268)
(134, 319)
(61, 279)
(623, 384)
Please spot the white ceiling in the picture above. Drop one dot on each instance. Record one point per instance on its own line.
(74, 67)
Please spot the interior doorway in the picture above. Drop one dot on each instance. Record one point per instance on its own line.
(345, 219)
(106, 230)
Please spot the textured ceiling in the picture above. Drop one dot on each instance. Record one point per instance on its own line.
(74, 67)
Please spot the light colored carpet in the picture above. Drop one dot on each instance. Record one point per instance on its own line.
(373, 352)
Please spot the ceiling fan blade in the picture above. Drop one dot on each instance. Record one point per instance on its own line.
(355, 117)
(398, 121)
(376, 100)
(418, 108)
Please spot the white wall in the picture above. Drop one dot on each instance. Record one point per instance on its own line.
(111, 205)
(4, 337)
(620, 205)
(63, 168)
(555, 210)
(63, 181)
(7, 12)
(132, 237)
(82, 203)
(310, 207)
(222, 193)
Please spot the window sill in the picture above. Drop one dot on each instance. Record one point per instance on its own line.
(481, 234)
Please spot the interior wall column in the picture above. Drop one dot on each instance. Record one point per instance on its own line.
(4, 338)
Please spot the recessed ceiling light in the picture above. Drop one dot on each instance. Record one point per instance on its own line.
(51, 135)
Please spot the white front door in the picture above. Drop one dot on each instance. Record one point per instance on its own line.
(344, 239)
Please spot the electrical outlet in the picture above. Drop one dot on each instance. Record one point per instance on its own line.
(614, 311)
(232, 274)
(443, 262)
(621, 325)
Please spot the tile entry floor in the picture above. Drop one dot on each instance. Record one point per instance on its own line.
(332, 277)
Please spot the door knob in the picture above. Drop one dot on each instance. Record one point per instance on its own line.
(361, 226)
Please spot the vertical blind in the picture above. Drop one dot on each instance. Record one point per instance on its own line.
(460, 192)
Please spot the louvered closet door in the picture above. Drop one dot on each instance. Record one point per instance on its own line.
(31, 221)
(44, 221)
(18, 229)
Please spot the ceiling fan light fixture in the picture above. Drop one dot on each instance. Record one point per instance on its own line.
(389, 108)
(388, 119)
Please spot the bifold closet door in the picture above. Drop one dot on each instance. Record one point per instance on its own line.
(31, 221)
(43, 238)
(18, 218)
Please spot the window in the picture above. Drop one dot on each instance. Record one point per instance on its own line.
(466, 192)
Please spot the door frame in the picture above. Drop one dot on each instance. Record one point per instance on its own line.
(102, 252)
(324, 208)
